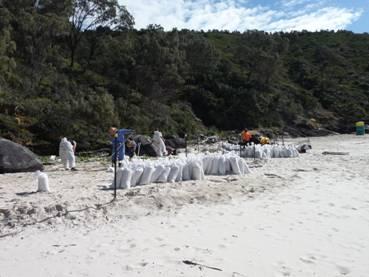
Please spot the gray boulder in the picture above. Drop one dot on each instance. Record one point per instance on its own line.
(144, 145)
(17, 158)
(175, 142)
(212, 139)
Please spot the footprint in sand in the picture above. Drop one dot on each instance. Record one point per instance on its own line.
(122, 250)
(308, 260)
(335, 229)
(343, 269)
(203, 250)
(128, 268)
(284, 272)
(143, 264)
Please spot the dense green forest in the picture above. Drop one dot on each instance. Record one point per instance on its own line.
(75, 67)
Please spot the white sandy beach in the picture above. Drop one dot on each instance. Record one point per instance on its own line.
(307, 216)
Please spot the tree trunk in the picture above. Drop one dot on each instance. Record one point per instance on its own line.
(72, 54)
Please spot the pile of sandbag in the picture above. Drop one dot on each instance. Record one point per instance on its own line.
(266, 151)
(226, 164)
(165, 170)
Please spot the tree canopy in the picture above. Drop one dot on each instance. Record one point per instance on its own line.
(75, 67)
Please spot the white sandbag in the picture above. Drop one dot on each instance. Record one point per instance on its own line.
(234, 166)
(240, 165)
(157, 172)
(295, 152)
(244, 168)
(42, 182)
(137, 173)
(125, 181)
(146, 175)
(222, 166)
(258, 152)
(186, 172)
(263, 152)
(268, 152)
(276, 152)
(163, 178)
(249, 152)
(174, 170)
(207, 163)
(202, 172)
(284, 153)
(180, 172)
(227, 165)
(287, 153)
(214, 166)
(125, 162)
(118, 176)
(197, 171)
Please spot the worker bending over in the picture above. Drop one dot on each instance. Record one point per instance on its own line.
(246, 136)
(118, 143)
(130, 147)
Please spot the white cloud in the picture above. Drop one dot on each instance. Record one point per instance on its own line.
(240, 15)
(293, 3)
(329, 18)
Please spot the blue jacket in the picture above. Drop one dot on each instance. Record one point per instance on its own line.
(120, 139)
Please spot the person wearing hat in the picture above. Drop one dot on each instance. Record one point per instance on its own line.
(118, 143)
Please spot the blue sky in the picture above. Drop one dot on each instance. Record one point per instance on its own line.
(267, 15)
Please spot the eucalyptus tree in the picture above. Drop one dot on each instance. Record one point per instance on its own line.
(89, 14)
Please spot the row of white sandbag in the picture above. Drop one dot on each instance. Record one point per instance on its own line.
(270, 151)
(264, 151)
(224, 164)
(194, 167)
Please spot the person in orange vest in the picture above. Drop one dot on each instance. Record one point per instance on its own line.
(246, 136)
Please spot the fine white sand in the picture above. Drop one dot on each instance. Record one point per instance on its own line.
(307, 216)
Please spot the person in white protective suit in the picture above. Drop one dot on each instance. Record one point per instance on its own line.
(66, 153)
(158, 144)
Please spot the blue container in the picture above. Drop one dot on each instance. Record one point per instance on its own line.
(360, 130)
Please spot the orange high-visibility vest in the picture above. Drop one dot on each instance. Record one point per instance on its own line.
(246, 136)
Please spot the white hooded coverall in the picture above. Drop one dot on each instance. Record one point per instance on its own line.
(66, 153)
(158, 144)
